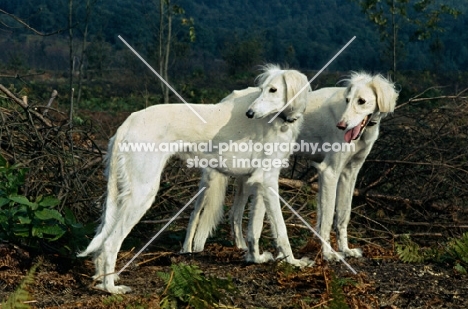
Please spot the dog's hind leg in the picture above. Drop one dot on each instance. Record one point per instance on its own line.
(208, 210)
(140, 187)
(344, 195)
(129, 215)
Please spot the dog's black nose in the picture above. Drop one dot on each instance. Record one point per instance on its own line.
(250, 113)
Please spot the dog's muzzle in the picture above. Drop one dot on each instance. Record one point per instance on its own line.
(356, 132)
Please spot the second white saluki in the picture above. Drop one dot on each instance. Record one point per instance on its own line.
(134, 176)
(348, 114)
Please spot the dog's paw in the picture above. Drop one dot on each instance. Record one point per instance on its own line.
(197, 248)
(185, 250)
(356, 252)
(303, 262)
(260, 258)
(114, 289)
(333, 256)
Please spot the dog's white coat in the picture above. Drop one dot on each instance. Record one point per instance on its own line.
(365, 101)
(133, 177)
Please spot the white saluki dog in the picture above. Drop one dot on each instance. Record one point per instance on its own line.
(355, 109)
(133, 177)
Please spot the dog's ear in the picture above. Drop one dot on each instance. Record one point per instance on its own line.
(295, 82)
(386, 94)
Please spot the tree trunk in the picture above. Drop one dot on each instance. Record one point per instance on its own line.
(83, 51)
(164, 44)
(168, 49)
(70, 45)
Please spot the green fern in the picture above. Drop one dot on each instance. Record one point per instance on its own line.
(410, 252)
(338, 298)
(18, 299)
(454, 251)
(458, 248)
(186, 285)
(461, 269)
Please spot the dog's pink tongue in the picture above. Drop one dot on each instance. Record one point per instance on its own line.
(352, 134)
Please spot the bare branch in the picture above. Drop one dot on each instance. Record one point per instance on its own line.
(418, 98)
(25, 106)
(19, 20)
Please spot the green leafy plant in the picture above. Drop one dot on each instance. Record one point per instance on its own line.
(76, 233)
(17, 300)
(457, 249)
(186, 285)
(22, 220)
(112, 300)
(338, 298)
(454, 251)
(29, 222)
(410, 252)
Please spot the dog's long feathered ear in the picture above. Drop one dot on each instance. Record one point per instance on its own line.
(385, 92)
(295, 82)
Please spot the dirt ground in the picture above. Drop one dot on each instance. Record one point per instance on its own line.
(382, 281)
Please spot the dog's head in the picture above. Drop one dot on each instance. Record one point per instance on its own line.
(368, 99)
(282, 90)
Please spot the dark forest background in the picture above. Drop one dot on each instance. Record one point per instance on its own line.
(300, 33)
(217, 46)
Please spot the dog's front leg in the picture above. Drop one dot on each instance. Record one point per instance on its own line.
(243, 191)
(256, 216)
(328, 180)
(275, 215)
(344, 196)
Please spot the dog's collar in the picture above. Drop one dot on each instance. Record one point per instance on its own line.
(285, 118)
(370, 123)
(286, 123)
(374, 119)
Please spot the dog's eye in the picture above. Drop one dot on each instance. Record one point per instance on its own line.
(361, 101)
(347, 100)
(273, 89)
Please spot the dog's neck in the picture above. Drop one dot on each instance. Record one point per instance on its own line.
(284, 124)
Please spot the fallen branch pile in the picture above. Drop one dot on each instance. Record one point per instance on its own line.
(62, 160)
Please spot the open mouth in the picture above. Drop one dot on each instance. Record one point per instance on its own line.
(357, 131)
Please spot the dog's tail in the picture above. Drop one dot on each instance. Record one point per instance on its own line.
(212, 205)
(117, 191)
